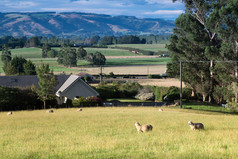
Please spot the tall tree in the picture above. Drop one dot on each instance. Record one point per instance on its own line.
(47, 82)
(67, 56)
(29, 68)
(6, 54)
(45, 49)
(81, 53)
(99, 59)
(18, 63)
(9, 69)
(218, 22)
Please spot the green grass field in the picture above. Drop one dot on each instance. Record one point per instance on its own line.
(138, 61)
(149, 47)
(109, 132)
(34, 54)
(27, 52)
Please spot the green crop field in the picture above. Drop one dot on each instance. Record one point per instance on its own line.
(27, 52)
(111, 52)
(149, 47)
(137, 61)
(109, 132)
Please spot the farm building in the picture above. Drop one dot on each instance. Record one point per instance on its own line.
(68, 87)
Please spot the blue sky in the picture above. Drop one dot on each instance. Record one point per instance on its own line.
(140, 8)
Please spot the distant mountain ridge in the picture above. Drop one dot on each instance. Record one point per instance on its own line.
(76, 23)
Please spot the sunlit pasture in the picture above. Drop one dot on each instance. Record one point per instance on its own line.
(109, 132)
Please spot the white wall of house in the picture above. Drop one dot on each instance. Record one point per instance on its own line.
(78, 89)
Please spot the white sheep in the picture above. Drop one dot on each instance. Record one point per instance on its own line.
(9, 113)
(143, 128)
(50, 111)
(160, 110)
(195, 126)
(79, 110)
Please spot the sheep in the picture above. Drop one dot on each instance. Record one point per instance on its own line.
(160, 110)
(79, 110)
(50, 111)
(9, 113)
(195, 126)
(143, 128)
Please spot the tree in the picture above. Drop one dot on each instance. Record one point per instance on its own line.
(45, 49)
(90, 58)
(67, 56)
(99, 59)
(96, 59)
(6, 54)
(47, 82)
(29, 68)
(32, 42)
(81, 53)
(207, 32)
(52, 53)
(18, 63)
(9, 69)
(94, 40)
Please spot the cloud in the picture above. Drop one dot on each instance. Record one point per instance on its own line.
(165, 12)
(21, 4)
(58, 9)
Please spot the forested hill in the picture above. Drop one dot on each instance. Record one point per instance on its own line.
(83, 24)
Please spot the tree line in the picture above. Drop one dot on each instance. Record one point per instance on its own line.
(207, 33)
(38, 41)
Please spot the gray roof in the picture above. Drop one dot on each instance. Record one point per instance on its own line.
(70, 81)
(28, 81)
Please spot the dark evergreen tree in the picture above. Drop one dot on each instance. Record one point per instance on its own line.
(9, 69)
(45, 49)
(18, 63)
(6, 54)
(29, 68)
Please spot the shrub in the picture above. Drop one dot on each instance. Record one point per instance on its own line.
(77, 102)
(88, 102)
(172, 94)
(129, 89)
(232, 105)
(155, 76)
(159, 92)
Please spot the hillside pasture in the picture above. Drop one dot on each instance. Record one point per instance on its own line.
(109, 132)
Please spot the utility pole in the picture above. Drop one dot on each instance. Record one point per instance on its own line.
(100, 74)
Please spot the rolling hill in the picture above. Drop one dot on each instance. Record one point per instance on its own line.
(76, 23)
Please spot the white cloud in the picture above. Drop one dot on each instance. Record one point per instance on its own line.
(58, 9)
(165, 12)
(21, 4)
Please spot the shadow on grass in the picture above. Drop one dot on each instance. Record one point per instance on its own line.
(208, 108)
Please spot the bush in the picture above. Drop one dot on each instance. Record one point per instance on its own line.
(159, 92)
(88, 102)
(129, 89)
(18, 99)
(172, 94)
(155, 76)
(78, 102)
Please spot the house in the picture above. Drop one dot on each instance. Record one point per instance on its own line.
(68, 87)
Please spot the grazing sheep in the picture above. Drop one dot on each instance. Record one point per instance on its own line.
(9, 113)
(79, 110)
(143, 128)
(195, 126)
(160, 110)
(50, 111)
